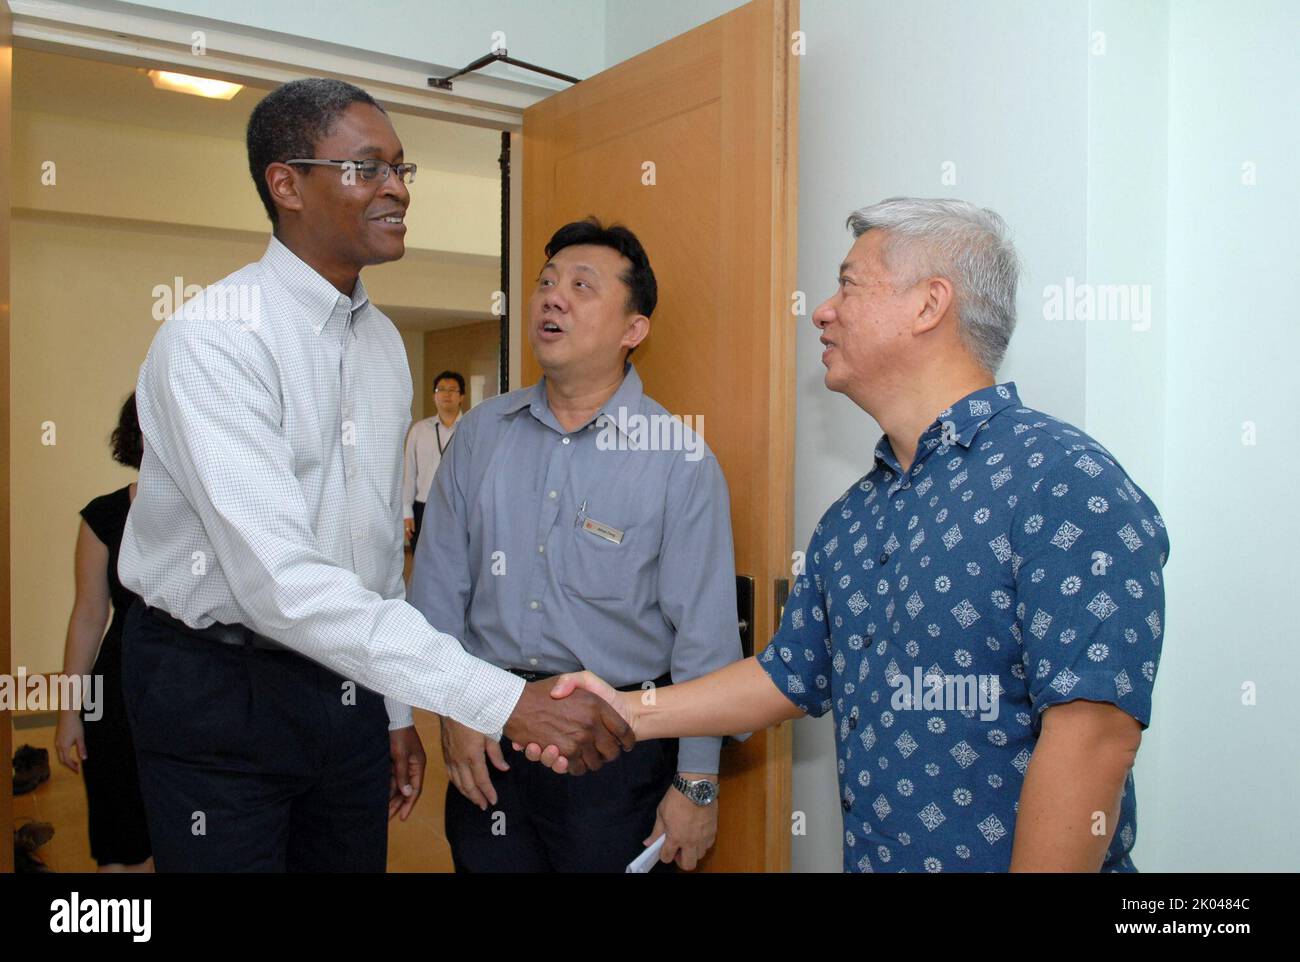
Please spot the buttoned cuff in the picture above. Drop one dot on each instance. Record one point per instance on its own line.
(488, 698)
(699, 755)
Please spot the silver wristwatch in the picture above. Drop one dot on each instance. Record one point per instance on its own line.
(701, 791)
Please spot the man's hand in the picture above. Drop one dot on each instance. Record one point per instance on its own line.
(624, 703)
(407, 780)
(691, 828)
(465, 750)
(582, 728)
(408, 525)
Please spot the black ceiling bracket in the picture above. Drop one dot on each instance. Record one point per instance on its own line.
(444, 83)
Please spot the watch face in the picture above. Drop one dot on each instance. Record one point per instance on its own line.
(702, 792)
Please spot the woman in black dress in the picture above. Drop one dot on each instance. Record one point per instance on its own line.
(101, 747)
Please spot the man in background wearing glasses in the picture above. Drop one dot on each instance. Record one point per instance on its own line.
(265, 538)
(425, 446)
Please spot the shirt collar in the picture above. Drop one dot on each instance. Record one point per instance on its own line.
(957, 424)
(628, 396)
(327, 310)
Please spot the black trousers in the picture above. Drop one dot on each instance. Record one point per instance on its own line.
(544, 822)
(418, 508)
(253, 760)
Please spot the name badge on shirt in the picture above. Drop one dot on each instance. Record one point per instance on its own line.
(602, 530)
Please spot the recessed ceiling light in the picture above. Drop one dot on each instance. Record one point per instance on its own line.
(183, 83)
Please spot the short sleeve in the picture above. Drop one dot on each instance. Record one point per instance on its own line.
(101, 519)
(799, 656)
(1088, 553)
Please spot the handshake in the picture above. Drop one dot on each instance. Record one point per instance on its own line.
(580, 719)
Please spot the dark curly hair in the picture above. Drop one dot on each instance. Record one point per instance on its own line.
(290, 120)
(127, 442)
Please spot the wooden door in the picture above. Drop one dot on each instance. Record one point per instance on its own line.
(6, 138)
(692, 146)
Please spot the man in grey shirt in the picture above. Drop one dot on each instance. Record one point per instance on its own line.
(576, 524)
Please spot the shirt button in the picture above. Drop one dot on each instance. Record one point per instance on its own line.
(565, 441)
(845, 804)
(541, 549)
(884, 559)
(532, 661)
(552, 494)
(853, 722)
(533, 605)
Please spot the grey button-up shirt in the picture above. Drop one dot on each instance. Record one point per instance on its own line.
(511, 566)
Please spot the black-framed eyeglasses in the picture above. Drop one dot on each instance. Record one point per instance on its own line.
(368, 169)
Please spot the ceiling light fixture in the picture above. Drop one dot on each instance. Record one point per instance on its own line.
(199, 86)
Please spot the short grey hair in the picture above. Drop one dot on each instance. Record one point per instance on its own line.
(968, 245)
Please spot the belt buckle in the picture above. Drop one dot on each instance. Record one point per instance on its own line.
(529, 676)
(235, 635)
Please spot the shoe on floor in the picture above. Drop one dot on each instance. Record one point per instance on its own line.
(31, 768)
(31, 836)
(26, 862)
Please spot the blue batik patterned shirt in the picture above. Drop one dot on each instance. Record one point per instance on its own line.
(942, 610)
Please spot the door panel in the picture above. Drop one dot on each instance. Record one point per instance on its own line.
(6, 89)
(714, 111)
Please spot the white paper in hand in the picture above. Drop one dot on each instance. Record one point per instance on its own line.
(646, 860)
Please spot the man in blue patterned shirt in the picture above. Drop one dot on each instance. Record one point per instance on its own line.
(982, 612)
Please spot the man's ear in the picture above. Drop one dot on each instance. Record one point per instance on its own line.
(282, 181)
(638, 329)
(939, 296)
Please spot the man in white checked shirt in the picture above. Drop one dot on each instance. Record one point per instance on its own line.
(425, 446)
(265, 538)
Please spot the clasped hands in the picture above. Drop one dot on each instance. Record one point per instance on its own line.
(573, 715)
(581, 732)
(580, 684)
(584, 723)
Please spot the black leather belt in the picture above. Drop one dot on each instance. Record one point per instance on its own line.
(239, 636)
(661, 682)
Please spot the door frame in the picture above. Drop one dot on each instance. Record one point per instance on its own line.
(6, 141)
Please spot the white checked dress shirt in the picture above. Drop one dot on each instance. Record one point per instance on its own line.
(424, 449)
(273, 410)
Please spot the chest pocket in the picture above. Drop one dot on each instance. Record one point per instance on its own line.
(597, 569)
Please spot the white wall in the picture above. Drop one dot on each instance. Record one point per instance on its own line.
(1227, 775)
(632, 26)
